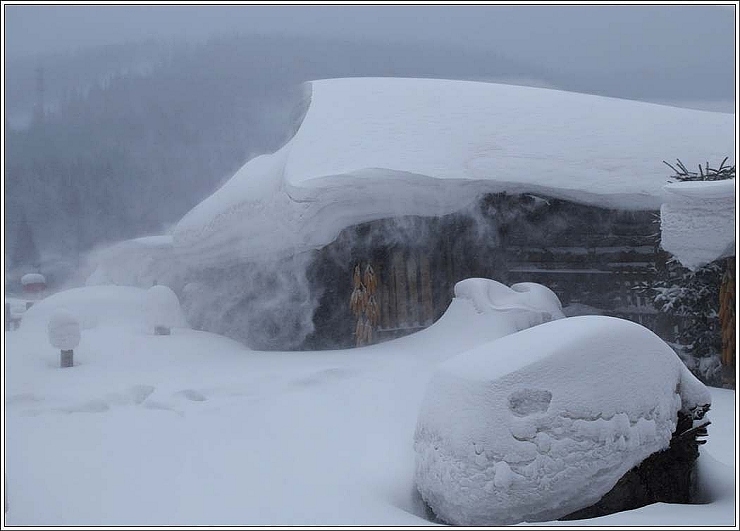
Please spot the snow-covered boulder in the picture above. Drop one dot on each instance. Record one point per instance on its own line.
(163, 310)
(540, 423)
(64, 330)
(697, 221)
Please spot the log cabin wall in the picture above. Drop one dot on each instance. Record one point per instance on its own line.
(593, 258)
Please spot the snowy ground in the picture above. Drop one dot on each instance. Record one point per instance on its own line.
(195, 429)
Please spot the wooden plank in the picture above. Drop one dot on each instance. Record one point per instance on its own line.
(412, 282)
(401, 292)
(426, 290)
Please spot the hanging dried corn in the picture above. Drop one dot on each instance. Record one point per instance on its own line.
(373, 313)
(363, 303)
(369, 279)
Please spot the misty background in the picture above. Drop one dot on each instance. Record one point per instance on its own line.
(119, 118)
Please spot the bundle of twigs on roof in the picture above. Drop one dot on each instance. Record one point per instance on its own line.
(704, 174)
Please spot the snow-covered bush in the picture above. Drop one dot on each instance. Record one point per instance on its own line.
(693, 298)
(64, 334)
(543, 422)
(163, 310)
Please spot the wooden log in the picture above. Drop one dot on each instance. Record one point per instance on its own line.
(67, 358)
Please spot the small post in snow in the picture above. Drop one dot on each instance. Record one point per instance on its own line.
(64, 334)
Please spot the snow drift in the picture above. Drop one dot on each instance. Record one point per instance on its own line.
(543, 422)
(698, 221)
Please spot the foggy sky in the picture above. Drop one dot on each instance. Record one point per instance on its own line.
(635, 44)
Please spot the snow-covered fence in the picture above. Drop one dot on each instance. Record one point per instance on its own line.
(64, 334)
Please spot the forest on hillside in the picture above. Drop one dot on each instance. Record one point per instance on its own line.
(121, 141)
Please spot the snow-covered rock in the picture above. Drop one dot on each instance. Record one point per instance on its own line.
(543, 422)
(64, 330)
(163, 308)
(697, 221)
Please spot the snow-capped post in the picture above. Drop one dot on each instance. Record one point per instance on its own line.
(162, 307)
(64, 334)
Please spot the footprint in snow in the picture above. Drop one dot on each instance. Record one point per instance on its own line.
(192, 395)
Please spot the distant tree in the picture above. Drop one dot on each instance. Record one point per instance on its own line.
(25, 252)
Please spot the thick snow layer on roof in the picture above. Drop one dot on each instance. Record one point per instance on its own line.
(370, 148)
(697, 221)
(543, 422)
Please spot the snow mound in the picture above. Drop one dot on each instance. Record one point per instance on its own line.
(525, 304)
(93, 307)
(697, 221)
(481, 311)
(543, 422)
(373, 148)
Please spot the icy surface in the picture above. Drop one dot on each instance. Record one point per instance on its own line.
(698, 222)
(371, 148)
(543, 422)
(195, 429)
(64, 330)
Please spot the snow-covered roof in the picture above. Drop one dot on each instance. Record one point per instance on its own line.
(370, 148)
(697, 221)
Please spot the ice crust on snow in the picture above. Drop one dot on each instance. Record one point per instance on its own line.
(543, 422)
(372, 148)
(697, 221)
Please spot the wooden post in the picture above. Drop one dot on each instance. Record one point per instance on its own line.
(727, 323)
(67, 358)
